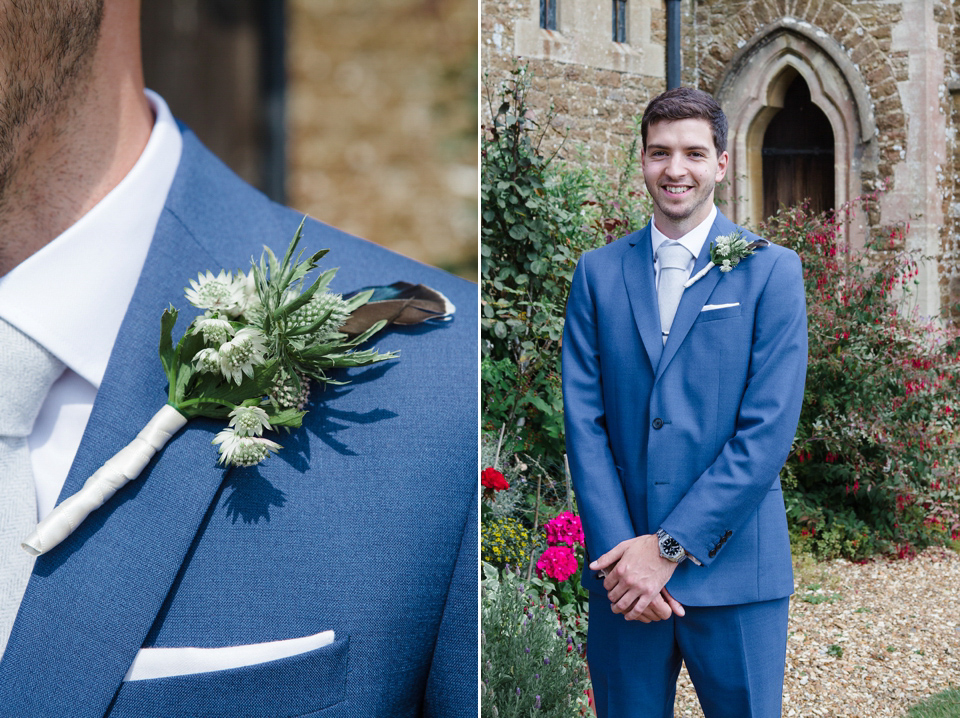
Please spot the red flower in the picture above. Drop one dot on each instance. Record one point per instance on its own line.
(564, 529)
(557, 562)
(493, 479)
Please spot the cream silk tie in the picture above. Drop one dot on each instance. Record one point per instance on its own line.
(27, 371)
(674, 259)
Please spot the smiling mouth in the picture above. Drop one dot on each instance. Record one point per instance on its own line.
(675, 190)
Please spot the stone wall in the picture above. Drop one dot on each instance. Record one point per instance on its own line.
(594, 107)
(902, 51)
(898, 50)
(382, 123)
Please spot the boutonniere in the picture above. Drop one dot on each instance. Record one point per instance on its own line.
(726, 252)
(265, 336)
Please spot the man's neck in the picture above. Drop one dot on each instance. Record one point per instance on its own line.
(675, 229)
(80, 152)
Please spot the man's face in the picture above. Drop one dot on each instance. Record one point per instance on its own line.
(681, 169)
(45, 50)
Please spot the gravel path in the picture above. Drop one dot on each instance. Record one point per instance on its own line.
(867, 640)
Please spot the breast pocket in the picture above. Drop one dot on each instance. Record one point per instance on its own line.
(301, 685)
(722, 312)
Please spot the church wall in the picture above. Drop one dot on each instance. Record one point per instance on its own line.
(594, 104)
(903, 51)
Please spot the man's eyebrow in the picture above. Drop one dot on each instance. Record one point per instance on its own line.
(688, 148)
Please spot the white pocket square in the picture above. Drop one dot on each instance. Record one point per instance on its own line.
(169, 662)
(711, 307)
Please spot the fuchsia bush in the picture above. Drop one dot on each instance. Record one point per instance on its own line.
(873, 468)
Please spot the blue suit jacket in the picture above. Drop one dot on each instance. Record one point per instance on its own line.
(689, 436)
(365, 523)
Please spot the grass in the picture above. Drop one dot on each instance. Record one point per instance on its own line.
(942, 705)
(815, 595)
(811, 575)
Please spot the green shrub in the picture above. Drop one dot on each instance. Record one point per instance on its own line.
(529, 665)
(538, 215)
(873, 467)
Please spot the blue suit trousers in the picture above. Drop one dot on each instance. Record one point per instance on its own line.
(735, 656)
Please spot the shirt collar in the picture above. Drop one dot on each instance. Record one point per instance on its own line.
(72, 294)
(692, 240)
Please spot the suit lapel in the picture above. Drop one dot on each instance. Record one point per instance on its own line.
(694, 296)
(641, 284)
(93, 599)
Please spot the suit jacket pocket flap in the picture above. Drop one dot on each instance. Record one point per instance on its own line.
(711, 313)
(294, 686)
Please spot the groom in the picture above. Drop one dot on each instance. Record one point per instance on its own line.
(337, 579)
(681, 404)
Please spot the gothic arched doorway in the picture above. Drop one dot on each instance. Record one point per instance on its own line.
(798, 154)
(790, 58)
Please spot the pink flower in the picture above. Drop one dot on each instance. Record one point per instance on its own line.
(564, 529)
(493, 479)
(557, 562)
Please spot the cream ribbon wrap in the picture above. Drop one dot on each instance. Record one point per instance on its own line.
(116, 472)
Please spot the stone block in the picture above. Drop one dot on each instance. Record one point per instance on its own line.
(750, 19)
(885, 87)
(865, 53)
(804, 9)
(608, 78)
(876, 74)
(829, 16)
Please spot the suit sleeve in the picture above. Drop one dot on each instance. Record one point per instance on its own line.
(738, 480)
(600, 496)
(453, 684)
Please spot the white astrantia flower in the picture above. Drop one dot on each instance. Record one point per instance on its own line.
(250, 299)
(207, 360)
(239, 450)
(221, 292)
(726, 266)
(215, 330)
(241, 354)
(249, 420)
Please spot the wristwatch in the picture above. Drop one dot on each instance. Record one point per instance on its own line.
(670, 549)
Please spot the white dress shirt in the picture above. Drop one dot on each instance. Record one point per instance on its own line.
(71, 297)
(692, 240)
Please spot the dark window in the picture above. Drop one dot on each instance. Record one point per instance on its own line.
(548, 14)
(619, 20)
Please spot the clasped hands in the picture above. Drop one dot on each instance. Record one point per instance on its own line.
(636, 579)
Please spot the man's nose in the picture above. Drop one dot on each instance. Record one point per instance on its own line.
(676, 166)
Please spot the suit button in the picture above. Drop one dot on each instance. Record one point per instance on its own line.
(728, 534)
(713, 552)
(658, 423)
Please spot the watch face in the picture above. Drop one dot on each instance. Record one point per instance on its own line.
(669, 548)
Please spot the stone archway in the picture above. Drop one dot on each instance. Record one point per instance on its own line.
(752, 91)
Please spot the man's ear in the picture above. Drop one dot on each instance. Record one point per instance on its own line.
(722, 161)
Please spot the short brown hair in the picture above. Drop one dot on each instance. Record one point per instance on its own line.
(686, 103)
